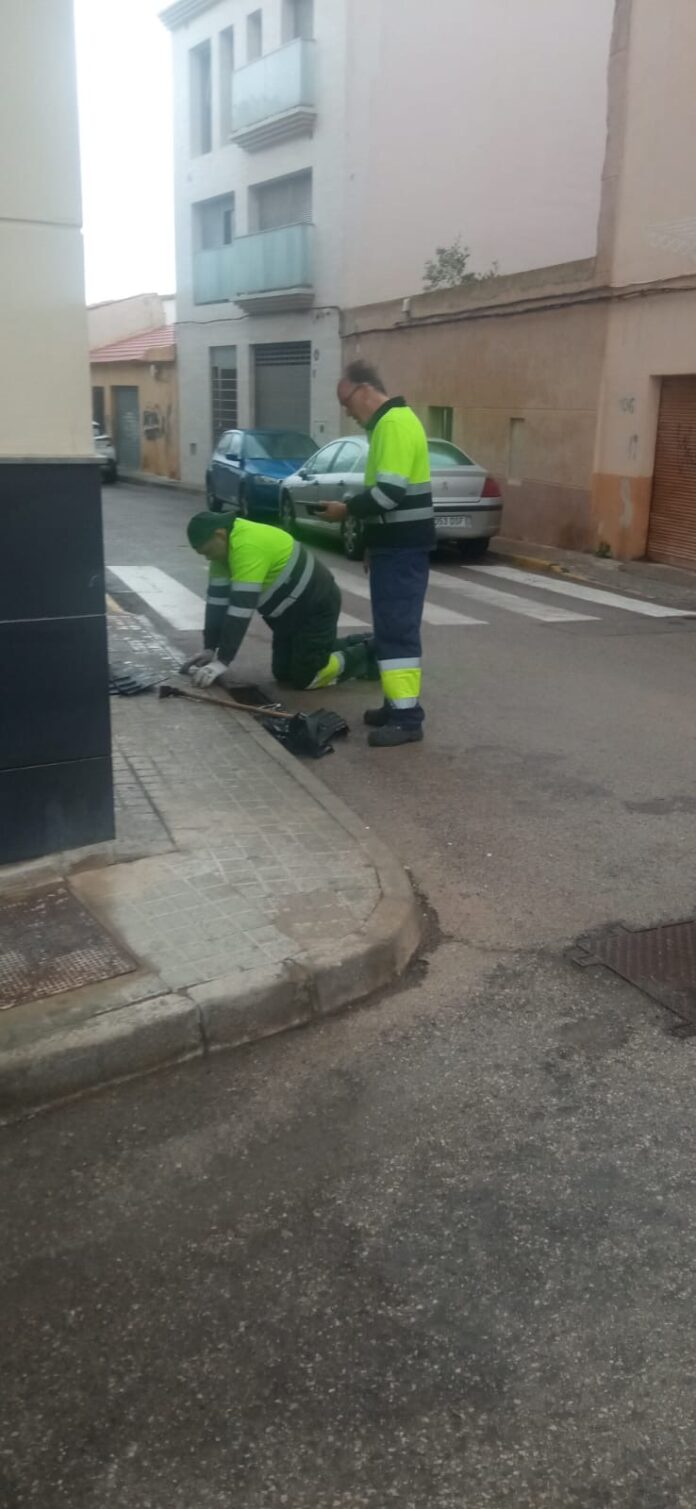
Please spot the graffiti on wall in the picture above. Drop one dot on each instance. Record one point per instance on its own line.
(157, 422)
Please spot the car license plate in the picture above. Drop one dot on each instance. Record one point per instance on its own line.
(454, 520)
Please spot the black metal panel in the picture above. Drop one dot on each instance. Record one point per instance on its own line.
(51, 554)
(47, 808)
(52, 691)
(55, 766)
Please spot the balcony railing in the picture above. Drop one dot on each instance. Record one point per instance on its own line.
(274, 98)
(213, 276)
(271, 270)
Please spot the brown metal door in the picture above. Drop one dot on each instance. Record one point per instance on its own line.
(672, 531)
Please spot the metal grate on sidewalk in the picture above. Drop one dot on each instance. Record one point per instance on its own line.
(50, 943)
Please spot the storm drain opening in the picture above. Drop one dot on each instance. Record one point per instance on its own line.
(660, 961)
(50, 943)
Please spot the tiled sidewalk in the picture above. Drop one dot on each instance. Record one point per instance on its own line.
(248, 899)
(250, 870)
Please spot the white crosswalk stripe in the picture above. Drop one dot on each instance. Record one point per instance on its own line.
(182, 608)
(587, 594)
(432, 612)
(346, 621)
(508, 601)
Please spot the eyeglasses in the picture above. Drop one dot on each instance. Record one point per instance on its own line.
(345, 401)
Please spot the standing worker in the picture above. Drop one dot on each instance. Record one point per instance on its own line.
(257, 566)
(396, 509)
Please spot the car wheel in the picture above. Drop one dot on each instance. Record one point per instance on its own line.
(472, 550)
(286, 514)
(353, 539)
(214, 506)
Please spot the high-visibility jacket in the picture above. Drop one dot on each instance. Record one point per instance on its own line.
(396, 506)
(266, 570)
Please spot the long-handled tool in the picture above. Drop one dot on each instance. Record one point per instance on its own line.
(180, 686)
(302, 733)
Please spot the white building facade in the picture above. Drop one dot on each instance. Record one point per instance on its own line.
(325, 148)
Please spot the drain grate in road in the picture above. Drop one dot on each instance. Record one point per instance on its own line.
(660, 961)
(49, 943)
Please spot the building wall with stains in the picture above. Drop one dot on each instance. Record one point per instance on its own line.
(157, 386)
(647, 253)
(519, 364)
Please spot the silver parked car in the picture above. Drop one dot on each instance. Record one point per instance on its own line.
(468, 505)
(105, 452)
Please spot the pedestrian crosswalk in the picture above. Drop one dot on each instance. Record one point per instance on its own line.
(587, 594)
(488, 589)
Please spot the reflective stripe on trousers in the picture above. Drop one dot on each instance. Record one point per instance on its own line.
(401, 682)
(398, 584)
(331, 672)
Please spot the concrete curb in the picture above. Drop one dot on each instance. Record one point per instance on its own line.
(601, 571)
(128, 1041)
(540, 564)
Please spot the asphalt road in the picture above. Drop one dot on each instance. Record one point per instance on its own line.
(440, 1252)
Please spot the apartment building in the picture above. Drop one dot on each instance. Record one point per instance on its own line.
(325, 148)
(258, 119)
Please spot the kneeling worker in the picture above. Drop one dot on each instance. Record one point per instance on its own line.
(255, 566)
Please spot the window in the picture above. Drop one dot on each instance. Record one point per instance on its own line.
(324, 459)
(444, 455)
(223, 389)
(226, 81)
(440, 423)
(234, 448)
(201, 99)
(298, 20)
(280, 445)
(516, 467)
(98, 411)
(213, 223)
(254, 29)
(284, 201)
(351, 457)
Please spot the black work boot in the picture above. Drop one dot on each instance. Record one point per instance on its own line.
(390, 734)
(360, 659)
(377, 717)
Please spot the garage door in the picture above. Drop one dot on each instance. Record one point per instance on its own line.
(282, 385)
(672, 531)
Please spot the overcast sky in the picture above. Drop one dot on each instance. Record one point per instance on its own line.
(124, 74)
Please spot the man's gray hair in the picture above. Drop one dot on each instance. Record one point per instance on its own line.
(363, 374)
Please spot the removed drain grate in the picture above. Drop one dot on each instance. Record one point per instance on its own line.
(660, 961)
(49, 943)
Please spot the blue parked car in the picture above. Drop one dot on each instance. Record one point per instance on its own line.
(247, 467)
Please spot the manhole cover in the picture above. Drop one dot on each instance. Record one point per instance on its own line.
(660, 961)
(49, 942)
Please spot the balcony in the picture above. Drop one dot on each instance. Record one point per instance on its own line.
(274, 98)
(263, 273)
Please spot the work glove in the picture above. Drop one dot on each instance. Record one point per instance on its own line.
(204, 657)
(206, 675)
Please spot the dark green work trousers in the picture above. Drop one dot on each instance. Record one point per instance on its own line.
(305, 638)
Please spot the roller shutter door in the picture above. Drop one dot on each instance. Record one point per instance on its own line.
(672, 529)
(282, 385)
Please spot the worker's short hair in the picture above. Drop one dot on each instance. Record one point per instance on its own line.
(361, 374)
(204, 525)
